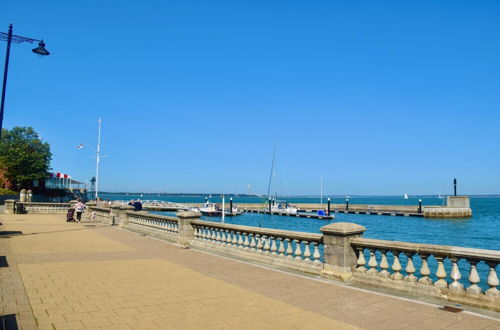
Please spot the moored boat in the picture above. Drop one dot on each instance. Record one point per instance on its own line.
(215, 210)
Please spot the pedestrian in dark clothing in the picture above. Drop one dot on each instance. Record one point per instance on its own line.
(138, 205)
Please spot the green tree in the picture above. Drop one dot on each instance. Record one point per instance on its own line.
(24, 157)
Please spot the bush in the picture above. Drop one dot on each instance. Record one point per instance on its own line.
(5, 192)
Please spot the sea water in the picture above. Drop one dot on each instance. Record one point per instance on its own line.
(481, 231)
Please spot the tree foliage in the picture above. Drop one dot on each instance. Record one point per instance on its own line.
(24, 157)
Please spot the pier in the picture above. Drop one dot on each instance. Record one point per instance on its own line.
(456, 207)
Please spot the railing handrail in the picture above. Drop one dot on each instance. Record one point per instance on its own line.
(45, 203)
(262, 231)
(428, 249)
(153, 216)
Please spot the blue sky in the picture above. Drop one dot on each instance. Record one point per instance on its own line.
(379, 97)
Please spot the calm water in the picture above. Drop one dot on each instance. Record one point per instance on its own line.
(480, 231)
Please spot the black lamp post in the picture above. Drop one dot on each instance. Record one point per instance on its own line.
(9, 37)
(454, 187)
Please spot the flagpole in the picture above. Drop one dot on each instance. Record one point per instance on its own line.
(98, 154)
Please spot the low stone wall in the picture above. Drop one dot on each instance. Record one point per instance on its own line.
(33, 207)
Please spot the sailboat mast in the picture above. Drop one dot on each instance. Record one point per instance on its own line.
(321, 196)
(271, 174)
(98, 159)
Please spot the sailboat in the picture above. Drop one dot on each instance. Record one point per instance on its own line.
(281, 207)
(406, 196)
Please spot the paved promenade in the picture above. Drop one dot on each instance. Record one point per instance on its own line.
(69, 276)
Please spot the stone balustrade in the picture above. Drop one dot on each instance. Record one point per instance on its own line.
(286, 249)
(458, 274)
(47, 207)
(154, 225)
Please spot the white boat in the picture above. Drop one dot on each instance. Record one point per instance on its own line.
(214, 210)
(284, 208)
(406, 196)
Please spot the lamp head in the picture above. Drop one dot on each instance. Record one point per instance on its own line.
(41, 50)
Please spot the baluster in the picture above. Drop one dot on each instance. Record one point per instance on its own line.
(217, 236)
(307, 252)
(425, 271)
(316, 254)
(246, 243)
(203, 233)
(361, 262)
(455, 276)
(372, 263)
(492, 281)
(474, 278)
(289, 248)
(298, 250)
(274, 247)
(384, 265)
(259, 244)
(234, 242)
(213, 236)
(229, 237)
(396, 268)
(441, 274)
(410, 268)
(252, 243)
(281, 249)
(223, 237)
(196, 233)
(240, 240)
(267, 246)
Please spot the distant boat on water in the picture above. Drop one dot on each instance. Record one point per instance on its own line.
(406, 196)
(214, 210)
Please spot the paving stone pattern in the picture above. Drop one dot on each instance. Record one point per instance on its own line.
(71, 276)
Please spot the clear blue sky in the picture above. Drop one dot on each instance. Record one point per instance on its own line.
(379, 97)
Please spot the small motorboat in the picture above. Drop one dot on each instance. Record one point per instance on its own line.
(215, 210)
(211, 210)
(285, 208)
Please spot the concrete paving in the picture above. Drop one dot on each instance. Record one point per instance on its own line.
(80, 275)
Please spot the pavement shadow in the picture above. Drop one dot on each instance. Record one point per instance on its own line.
(10, 233)
(8, 322)
(3, 261)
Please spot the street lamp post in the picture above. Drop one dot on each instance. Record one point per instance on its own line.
(9, 37)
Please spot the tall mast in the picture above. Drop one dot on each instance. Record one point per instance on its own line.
(98, 159)
(321, 198)
(271, 174)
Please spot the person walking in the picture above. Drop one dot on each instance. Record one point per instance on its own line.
(79, 208)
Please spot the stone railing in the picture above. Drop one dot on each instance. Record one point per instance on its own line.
(461, 275)
(33, 207)
(286, 249)
(437, 270)
(154, 225)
